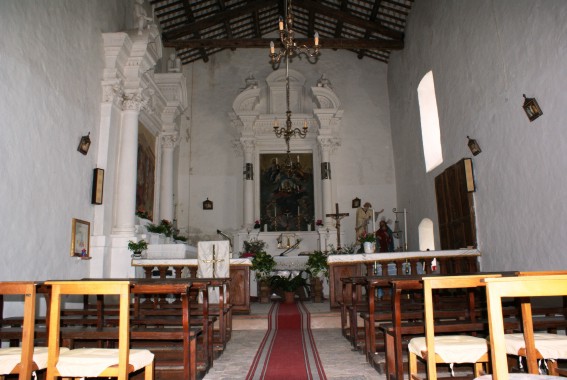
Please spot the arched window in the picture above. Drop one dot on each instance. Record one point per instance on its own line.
(430, 132)
(426, 240)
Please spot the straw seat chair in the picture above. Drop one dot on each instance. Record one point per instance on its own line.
(524, 286)
(447, 348)
(25, 359)
(95, 362)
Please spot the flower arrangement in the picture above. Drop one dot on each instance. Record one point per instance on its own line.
(317, 264)
(319, 222)
(257, 223)
(367, 238)
(164, 227)
(263, 263)
(253, 247)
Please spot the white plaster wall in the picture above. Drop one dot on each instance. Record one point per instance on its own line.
(484, 55)
(51, 65)
(362, 166)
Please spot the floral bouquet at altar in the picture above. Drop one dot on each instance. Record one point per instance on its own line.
(368, 242)
(367, 238)
(253, 247)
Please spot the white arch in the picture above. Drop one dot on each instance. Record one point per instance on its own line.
(425, 231)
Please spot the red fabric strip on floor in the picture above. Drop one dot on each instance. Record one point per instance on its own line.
(288, 349)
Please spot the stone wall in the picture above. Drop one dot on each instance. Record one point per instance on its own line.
(484, 55)
(50, 72)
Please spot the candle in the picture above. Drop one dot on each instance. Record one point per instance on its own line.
(316, 38)
(405, 230)
(281, 23)
(276, 164)
(275, 210)
(297, 210)
(298, 158)
(373, 222)
(272, 47)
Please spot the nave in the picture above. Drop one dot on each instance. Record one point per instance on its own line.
(339, 360)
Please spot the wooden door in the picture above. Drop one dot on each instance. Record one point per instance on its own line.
(455, 206)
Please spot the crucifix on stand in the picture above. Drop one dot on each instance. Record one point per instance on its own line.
(338, 216)
(214, 261)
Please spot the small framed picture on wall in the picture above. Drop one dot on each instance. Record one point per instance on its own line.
(80, 238)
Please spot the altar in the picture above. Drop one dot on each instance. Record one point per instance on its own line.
(288, 243)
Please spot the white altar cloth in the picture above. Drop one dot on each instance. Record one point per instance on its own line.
(371, 257)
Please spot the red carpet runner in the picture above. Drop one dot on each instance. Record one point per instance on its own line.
(288, 350)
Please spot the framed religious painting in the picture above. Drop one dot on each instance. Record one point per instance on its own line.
(286, 191)
(80, 238)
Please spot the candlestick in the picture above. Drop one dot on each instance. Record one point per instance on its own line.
(405, 230)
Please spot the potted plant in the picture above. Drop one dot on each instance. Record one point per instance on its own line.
(368, 242)
(263, 264)
(253, 247)
(137, 248)
(318, 269)
(288, 285)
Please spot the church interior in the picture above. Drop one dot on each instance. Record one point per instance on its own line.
(444, 117)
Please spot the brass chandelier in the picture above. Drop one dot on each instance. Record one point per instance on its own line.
(288, 50)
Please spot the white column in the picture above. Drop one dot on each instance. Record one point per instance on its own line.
(127, 163)
(325, 145)
(248, 146)
(168, 142)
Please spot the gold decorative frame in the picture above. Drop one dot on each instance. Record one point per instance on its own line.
(80, 238)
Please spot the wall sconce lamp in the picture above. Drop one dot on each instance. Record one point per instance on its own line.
(84, 144)
(207, 205)
(473, 146)
(532, 108)
(248, 171)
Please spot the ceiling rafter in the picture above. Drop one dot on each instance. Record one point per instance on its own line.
(199, 28)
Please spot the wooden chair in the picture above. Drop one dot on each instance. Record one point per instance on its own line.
(521, 286)
(25, 359)
(471, 349)
(95, 362)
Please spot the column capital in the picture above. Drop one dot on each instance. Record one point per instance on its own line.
(248, 145)
(169, 140)
(328, 144)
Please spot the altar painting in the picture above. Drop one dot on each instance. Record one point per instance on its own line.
(286, 192)
(145, 181)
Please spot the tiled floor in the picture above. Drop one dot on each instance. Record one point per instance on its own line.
(339, 360)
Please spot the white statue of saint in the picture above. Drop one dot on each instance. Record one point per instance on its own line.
(173, 64)
(141, 16)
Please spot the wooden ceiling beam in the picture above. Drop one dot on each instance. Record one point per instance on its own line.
(326, 43)
(218, 18)
(348, 18)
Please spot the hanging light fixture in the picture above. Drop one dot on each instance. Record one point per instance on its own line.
(288, 50)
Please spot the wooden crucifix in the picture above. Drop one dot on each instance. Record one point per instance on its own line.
(338, 216)
(214, 260)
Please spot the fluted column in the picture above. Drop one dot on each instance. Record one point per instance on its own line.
(248, 146)
(127, 163)
(168, 143)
